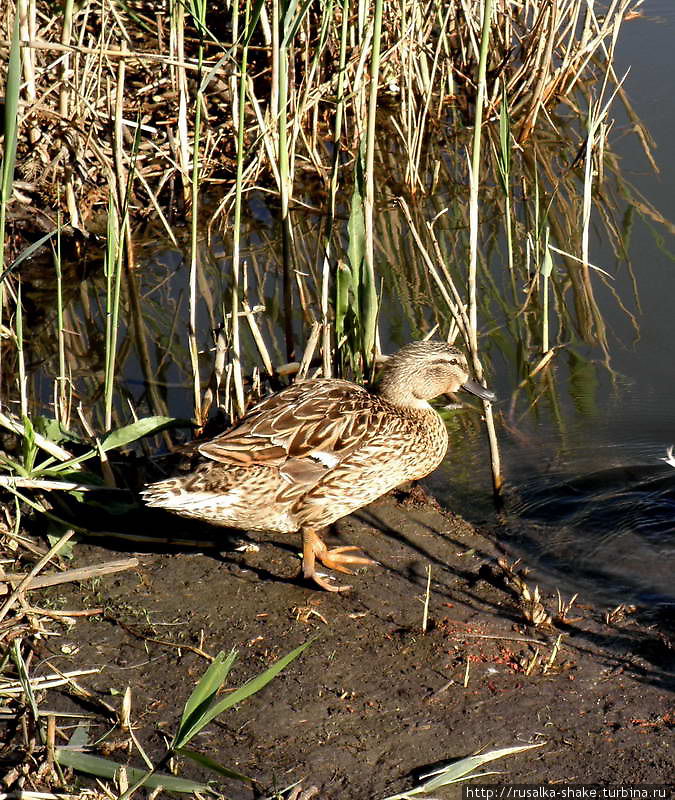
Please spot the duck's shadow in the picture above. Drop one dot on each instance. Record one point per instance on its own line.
(128, 526)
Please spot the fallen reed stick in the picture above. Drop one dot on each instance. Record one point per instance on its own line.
(68, 576)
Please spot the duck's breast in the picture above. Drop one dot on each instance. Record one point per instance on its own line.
(407, 447)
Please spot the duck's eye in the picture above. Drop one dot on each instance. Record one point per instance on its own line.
(445, 362)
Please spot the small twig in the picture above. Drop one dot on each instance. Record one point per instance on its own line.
(522, 639)
(164, 642)
(40, 564)
(48, 485)
(45, 612)
(309, 352)
(49, 681)
(425, 615)
(554, 654)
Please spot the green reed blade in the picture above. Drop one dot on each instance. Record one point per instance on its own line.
(207, 688)
(214, 766)
(462, 770)
(253, 21)
(26, 253)
(106, 768)
(12, 88)
(113, 272)
(367, 288)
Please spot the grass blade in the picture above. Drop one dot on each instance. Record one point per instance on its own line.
(11, 118)
(461, 770)
(238, 696)
(105, 768)
(136, 430)
(214, 766)
(204, 692)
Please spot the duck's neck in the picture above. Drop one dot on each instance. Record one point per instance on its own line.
(402, 397)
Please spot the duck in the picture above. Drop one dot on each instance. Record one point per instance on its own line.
(320, 449)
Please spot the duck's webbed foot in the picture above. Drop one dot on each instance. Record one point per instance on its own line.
(336, 558)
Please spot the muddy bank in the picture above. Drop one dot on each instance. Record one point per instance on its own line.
(373, 701)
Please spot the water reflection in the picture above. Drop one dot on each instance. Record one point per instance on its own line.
(609, 535)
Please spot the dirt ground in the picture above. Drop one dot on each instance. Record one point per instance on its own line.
(374, 701)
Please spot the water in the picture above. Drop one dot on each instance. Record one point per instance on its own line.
(591, 506)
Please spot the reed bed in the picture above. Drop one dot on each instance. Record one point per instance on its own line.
(177, 110)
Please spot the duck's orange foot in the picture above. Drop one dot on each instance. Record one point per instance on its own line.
(336, 558)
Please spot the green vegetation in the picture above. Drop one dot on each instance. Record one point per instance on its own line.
(337, 116)
(202, 707)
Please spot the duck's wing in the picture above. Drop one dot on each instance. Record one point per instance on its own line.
(303, 431)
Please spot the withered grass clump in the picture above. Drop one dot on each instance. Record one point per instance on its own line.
(95, 72)
(331, 113)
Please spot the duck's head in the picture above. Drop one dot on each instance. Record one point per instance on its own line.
(421, 371)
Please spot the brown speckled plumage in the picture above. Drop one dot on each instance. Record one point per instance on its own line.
(319, 449)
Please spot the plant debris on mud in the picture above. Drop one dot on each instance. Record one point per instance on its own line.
(374, 701)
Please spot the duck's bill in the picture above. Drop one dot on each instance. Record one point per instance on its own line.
(480, 391)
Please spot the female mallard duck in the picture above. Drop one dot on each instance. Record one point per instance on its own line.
(320, 449)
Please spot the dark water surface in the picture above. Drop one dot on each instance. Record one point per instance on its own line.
(591, 505)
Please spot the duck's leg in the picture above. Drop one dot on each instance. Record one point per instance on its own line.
(314, 547)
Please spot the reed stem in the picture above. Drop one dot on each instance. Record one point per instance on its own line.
(199, 10)
(368, 289)
(236, 233)
(285, 178)
(497, 479)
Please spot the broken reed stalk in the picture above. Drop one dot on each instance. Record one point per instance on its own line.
(504, 161)
(64, 106)
(180, 61)
(27, 13)
(13, 598)
(497, 479)
(67, 576)
(545, 47)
